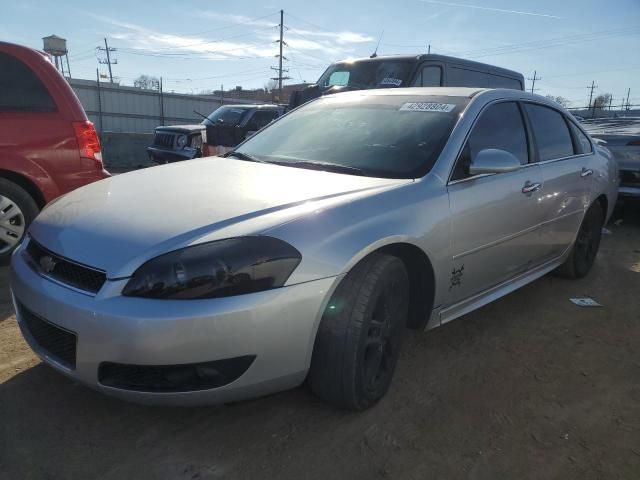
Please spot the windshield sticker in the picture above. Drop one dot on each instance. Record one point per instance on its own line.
(396, 82)
(427, 107)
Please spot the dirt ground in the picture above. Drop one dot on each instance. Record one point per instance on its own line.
(529, 387)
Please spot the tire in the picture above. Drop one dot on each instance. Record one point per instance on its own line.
(584, 250)
(17, 211)
(360, 334)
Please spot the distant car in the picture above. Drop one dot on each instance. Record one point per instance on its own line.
(428, 70)
(222, 130)
(48, 147)
(306, 252)
(621, 136)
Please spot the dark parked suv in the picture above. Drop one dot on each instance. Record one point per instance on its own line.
(222, 130)
(48, 147)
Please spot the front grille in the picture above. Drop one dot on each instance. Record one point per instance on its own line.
(65, 271)
(173, 378)
(56, 341)
(163, 140)
(629, 178)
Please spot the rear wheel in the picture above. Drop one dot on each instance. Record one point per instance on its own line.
(359, 337)
(586, 246)
(17, 211)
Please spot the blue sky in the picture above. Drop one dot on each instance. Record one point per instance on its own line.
(198, 45)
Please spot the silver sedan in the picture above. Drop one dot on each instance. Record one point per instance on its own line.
(305, 253)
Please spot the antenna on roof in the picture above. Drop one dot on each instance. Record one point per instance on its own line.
(375, 52)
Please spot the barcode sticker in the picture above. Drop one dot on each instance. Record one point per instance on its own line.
(396, 82)
(427, 107)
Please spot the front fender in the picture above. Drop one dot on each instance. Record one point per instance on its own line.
(332, 241)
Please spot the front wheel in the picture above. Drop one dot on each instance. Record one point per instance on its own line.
(17, 211)
(359, 337)
(586, 246)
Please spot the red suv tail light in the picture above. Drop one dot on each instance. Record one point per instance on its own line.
(88, 141)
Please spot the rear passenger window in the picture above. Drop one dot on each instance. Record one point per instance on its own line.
(496, 81)
(20, 89)
(429, 76)
(583, 144)
(261, 119)
(460, 77)
(500, 126)
(550, 131)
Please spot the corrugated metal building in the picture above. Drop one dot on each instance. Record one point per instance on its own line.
(114, 108)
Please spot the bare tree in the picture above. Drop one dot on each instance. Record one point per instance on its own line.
(147, 82)
(561, 100)
(602, 101)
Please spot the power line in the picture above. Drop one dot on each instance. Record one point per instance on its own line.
(557, 41)
(235, 24)
(533, 80)
(202, 42)
(309, 23)
(108, 50)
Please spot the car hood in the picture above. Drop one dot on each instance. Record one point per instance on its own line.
(118, 223)
(182, 128)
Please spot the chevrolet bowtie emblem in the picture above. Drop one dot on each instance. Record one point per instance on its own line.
(47, 263)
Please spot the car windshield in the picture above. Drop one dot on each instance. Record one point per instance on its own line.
(367, 74)
(226, 115)
(391, 136)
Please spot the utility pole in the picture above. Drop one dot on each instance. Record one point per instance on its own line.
(99, 100)
(593, 85)
(106, 47)
(429, 49)
(628, 93)
(108, 60)
(533, 80)
(221, 94)
(279, 69)
(280, 56)
(161, 98)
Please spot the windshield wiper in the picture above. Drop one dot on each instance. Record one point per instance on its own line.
(243, 156)
(326, 166)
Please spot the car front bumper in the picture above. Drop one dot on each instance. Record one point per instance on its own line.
(160, 155)
(276, 326)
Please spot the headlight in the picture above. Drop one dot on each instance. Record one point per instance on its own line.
(223, 268)
(181, 141)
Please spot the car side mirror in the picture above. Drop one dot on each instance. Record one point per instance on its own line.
(493, 160)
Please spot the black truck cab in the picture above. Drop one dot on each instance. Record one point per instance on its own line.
(427, 70)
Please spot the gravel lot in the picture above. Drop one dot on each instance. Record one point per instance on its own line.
(529, 387)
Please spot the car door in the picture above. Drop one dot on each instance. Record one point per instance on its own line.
(563, 157)
(494, 218)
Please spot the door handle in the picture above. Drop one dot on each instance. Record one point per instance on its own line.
(531, 187)
(586, 172)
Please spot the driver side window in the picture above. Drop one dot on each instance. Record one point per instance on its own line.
(339, 78)
(499, 126)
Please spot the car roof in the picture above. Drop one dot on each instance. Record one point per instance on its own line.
(438, 58)
(22, 51)
(484, 94)
(468, 92)
(248, 106)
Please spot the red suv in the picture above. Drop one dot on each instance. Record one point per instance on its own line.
(48, 147)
